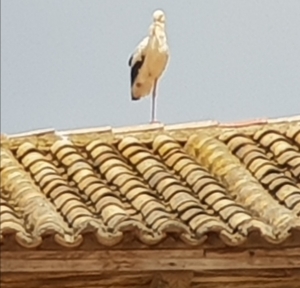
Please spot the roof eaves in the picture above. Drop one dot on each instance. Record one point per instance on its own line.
(146, 132)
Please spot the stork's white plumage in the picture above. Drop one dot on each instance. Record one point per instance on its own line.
(149, 61)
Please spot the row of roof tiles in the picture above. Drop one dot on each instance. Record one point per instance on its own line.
(228, 181)
(149, 130)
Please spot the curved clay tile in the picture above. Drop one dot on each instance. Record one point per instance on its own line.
(152, 184)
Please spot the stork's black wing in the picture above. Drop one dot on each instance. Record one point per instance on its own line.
(136, 60)
(130, 60)
(135, 68)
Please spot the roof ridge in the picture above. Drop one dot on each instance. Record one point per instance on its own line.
(155, 127)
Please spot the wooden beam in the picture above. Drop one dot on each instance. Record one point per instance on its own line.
(178, 279)
(158, 282)
(272, 278)
(150, 260)
(75, 280)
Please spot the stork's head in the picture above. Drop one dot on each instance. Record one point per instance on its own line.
(159, 16)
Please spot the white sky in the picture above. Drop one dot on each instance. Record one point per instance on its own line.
(64, 62)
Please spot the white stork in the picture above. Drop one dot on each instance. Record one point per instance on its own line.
(149, 61)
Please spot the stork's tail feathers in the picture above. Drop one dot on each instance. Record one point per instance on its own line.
(141, 88)
(133, 98)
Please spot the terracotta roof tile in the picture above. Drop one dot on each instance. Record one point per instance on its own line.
(187, 180)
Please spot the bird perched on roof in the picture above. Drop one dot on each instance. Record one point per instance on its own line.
(149, 61)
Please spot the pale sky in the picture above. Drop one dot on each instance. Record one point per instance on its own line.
(64, 62)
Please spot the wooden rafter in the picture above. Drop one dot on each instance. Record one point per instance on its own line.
(150, 260)
(158, 282)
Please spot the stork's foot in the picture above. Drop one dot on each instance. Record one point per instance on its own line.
(155, 122)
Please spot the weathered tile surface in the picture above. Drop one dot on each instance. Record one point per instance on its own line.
(188, 180)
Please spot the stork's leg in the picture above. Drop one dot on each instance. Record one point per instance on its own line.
(153, 111)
